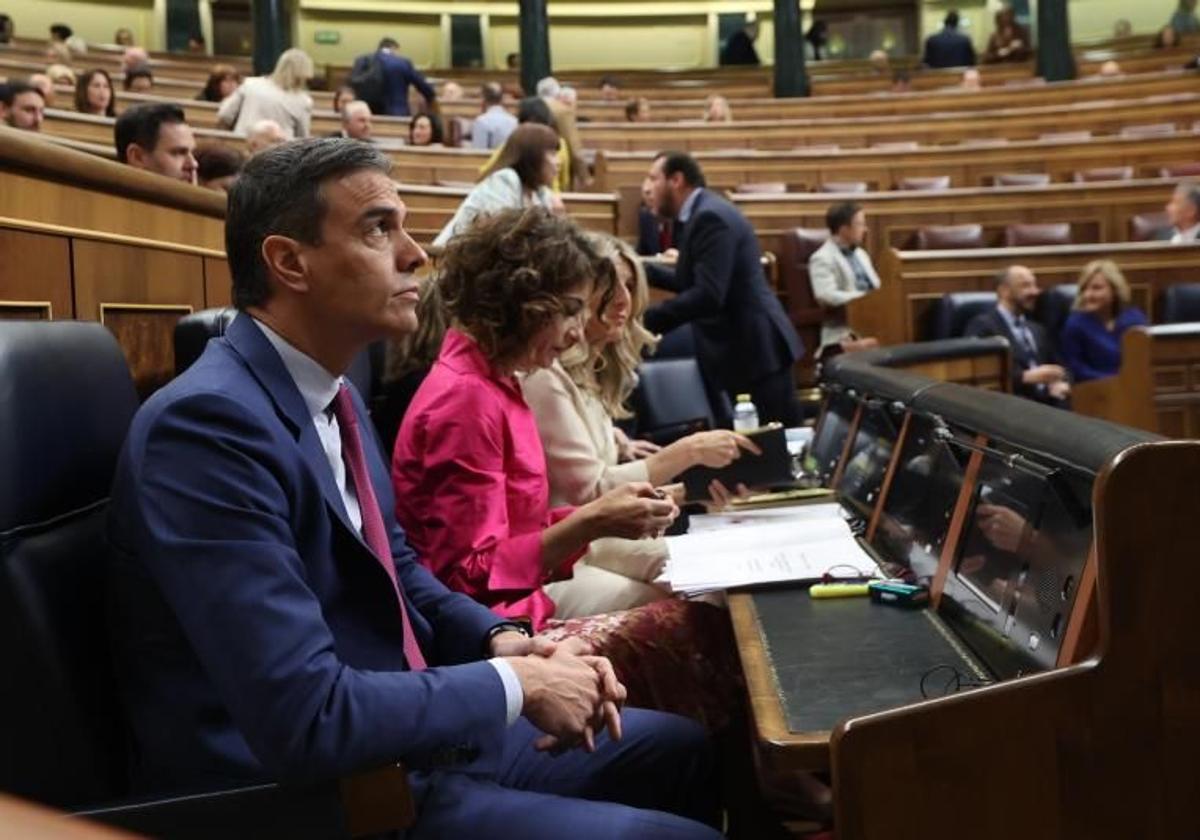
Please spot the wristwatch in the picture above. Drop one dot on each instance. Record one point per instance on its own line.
(525, 628)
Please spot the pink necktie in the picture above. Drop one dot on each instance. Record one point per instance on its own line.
(373, 528)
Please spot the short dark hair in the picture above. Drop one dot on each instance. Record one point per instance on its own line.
(138, 72)
(631, 109)
(218, 161)
(6, 29)
(10, 91)
(840, 215)
(491, 93)
(609, 81)
(279, 192)
(61, 31)
(388, 43)
(505, 276)
(141, 123)
(684, 163)
(901, 76)
(533, 109)
(951, 19)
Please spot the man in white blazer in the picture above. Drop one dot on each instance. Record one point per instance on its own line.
(841, 271)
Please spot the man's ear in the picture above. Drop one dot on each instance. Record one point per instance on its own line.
(285, 261)
(135, 155)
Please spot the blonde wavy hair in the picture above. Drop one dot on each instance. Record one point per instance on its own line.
(609, 371)
(293, 70)
(1116, 281)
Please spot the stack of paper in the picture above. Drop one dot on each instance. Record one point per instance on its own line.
(776, 545)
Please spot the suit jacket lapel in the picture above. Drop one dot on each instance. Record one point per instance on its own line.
(249, 343)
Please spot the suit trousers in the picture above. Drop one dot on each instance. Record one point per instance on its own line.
(657, 781)
(774, 396)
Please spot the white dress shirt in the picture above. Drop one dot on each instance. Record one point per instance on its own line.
(318, 387)
(1192, 234)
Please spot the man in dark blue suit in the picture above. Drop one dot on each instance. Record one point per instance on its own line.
(744, 340)
(269, 620)
(1035, 371)
(949, 47)
(398, 73)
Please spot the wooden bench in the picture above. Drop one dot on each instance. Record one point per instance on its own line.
(1157, 387)
(914, 281)
(967, 164)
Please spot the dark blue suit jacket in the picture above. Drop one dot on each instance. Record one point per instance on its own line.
(398, 73)
(255, 635)
(991, 323)
(742, 332)
(948, 48)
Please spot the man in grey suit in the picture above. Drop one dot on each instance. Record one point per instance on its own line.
(841, 271)
(492, 127)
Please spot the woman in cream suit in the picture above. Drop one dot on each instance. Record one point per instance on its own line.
(574, 402)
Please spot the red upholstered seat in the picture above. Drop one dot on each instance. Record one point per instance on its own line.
(1180, 170)
(1022, 179)
(933, 182)
(843, 187)
(806, 314)
(763, 188)
(1105, 173)
(1052, 233)
(949, 237)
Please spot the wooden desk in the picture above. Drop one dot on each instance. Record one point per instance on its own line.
(1157, 387)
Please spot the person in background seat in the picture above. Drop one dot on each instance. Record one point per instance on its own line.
(1091, 338)
(1036, 373)
(841, 271)
(157, 138)
(1183, 212)
(22, 106)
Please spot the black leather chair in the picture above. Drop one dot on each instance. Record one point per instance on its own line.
(955, 310)
(1180, 304)
(1052, 308)
(670, 400)
(193, 331)
(66, 400)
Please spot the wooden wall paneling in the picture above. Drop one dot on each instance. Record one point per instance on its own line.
(218, 283)
(35, 275)
(139, 293)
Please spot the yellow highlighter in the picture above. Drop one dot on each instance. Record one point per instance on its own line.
(839, 590)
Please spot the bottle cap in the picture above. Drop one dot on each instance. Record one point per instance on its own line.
(743, 398)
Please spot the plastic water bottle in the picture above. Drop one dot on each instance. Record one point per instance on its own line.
(745, 415)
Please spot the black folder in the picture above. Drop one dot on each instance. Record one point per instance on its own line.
(773, 467)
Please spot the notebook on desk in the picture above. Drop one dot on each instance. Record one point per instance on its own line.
(770, 468)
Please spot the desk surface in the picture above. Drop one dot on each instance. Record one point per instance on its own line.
(810, 664)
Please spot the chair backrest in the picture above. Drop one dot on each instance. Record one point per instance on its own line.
(1180, 304)
(897, 146)
(932, 182)
(1180, 170)
(1053, 306)
(66, 401)
(1145, 227)
(1151, 130)
(193, 332)
(458, 131)
(1044, 233)
(1022, 179)
(762, 188)
(955, 310)
(949, 237)
(670, 399)
(1065, 136)
(1104, 173)
(843, 187)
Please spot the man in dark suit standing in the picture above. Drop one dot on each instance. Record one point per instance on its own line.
(949, 47)
(270, 621)
(397, 74)
(739, 49)
(744, 340)
(1035, 372)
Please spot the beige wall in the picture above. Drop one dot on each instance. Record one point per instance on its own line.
(419, 36)
(93, 21)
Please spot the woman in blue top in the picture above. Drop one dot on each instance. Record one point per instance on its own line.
(1090, 344)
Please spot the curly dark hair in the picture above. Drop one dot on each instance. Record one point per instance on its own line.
(508, 275)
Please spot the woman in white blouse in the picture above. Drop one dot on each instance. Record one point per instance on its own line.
(281, 97)
(575, 401)
(520, 176)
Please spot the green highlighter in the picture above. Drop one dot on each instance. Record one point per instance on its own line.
(839, 590)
